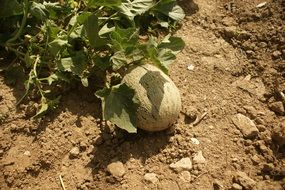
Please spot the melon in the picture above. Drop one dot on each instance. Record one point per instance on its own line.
(159, 98)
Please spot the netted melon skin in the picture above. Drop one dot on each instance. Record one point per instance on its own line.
(160, 101)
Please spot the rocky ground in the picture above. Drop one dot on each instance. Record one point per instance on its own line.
(230, 133)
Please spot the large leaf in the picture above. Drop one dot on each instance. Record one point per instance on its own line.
(10, 8)
(175, 44)
(135, 7)
(121, 58)
(106, 3)
(77, 65)
(39, 11)
(170, 9)
(92, 29)
(57, 46)
(122, 39)
(120, 106)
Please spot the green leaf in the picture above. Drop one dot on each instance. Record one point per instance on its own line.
(135, 7)
(83, 17)
(91, 27)
(175, 44)
(52, 78)
(121, 58)
(47, 105)
(10, 8)
(170, 9)
(57, 45)
(39, 11)
(106, 3)
(102, 62)
(120, 106)
(51, 30)
(84, 81)
(166, 57)
(77, 65)
(123, 39)
(43, 109)
(105, 29)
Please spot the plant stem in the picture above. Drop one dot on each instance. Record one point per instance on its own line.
(24, 20)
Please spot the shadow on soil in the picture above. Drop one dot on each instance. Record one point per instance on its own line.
(121, 146)
(189, 6)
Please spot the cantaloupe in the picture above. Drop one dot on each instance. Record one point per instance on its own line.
(159, 98)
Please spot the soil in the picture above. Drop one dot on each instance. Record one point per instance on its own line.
(232, 67)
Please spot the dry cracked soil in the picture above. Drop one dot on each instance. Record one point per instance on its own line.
(230, 133)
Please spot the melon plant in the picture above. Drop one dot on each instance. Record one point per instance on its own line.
(66, 43)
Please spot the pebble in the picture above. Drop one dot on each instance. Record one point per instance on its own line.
(245, 125)
(236, 186)
(277, 107)
(255, 159)
(116, 169)
(183, 164)
(261, 128)
(217, 185)
(74, 152)
(276, 54)
(151, 178)
(199, 158)
(27, 153)
(244, 180)
(195, 141)
(185, 176)
(1, 152)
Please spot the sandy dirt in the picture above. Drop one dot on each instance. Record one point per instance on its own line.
(230, 133)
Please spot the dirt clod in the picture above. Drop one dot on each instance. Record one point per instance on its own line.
(117, 169)
(151, 178)
(235, 48)
(245, 125)
(74, 152)
(199, 158)
(277, 107)
(244, 180)
(183, 164)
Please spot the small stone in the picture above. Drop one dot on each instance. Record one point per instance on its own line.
(98, 140)
(74, 152)
(276, 54)
(185, 176)
(116, 169)
(151, 178)
(278, 135)
(183, 164)
(263, 44)
(195, 141)
(255, 159)
(83, 145)
(268, 167)
(245, 125)
(247, 142)
(236, 186)
(261, 128)
(269, 185)
(211, 127)
(230, 31)
(199, 158)
(242, 179)
(27, 153)
(263, 148)
(217, 185)
(234, 160)
(1, 152)
(277, 107)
